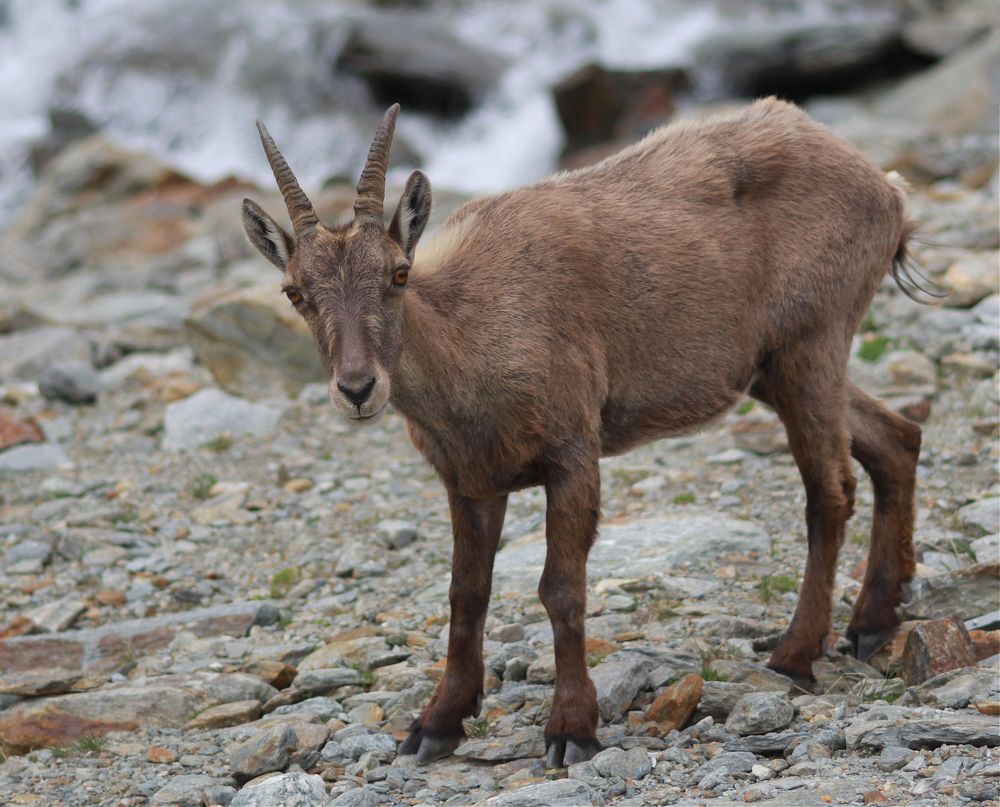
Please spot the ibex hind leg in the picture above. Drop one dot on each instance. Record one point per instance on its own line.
(806, 385)
(888, 446)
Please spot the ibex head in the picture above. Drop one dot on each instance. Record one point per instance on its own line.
(347, 282)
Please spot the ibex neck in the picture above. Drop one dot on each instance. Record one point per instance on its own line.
(423, 362)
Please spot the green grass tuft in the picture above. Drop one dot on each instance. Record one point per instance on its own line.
(223, 442)
(745, 407)
(282, 581)
(201, 486)
(872, 347)
(683, 498)
(774, 584)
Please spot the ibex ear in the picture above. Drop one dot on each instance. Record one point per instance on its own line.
(411, 216)
(267, 235)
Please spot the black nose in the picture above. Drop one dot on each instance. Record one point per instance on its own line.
(357, 395)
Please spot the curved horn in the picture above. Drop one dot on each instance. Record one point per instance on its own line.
(371, 186)
(300, 209)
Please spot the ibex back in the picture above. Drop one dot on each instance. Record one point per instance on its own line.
(546, 327)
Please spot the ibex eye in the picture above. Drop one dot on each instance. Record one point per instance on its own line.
(294, 296)
(399, 279)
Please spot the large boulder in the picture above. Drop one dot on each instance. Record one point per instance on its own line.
(407, 58)
(802, 58)
(597, 105)
(91, 170)
(254, 343)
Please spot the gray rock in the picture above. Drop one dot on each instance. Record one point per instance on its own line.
(396, 533)
(323, 708)
(987, 548)
(27, 354)
(894, 757)
(955, 97)
(542, 670)
(971, 278)
(74, 382)
(381, 744)
(617, 683)
(211, 413)
(288, 790)
(728, 762)
(983, 516)
(266, 751)
(964, 593)
(423, 61)
(254, 343)
(568, 792)
(34, 457)
(636, 549)
(31, 551)
(978, 730)
(760, 713)
(187, 790)
(218, 794)
(633, 764)
(521, 744)
(775, 742)
(325, 679)
(719, 697)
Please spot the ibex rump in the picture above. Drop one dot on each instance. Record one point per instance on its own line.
(599, 309)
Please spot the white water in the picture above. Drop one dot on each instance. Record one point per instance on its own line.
(185, 80)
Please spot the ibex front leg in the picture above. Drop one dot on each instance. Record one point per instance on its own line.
(476, 524)
(573, 495)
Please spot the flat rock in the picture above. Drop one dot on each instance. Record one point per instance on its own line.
(187, 790)
(52, 681)
(982, 516)
(27, 354)
(323, 680)
(760, 713)
(523, 743)
(211, 413)
(62, 719)
(964, 593)
(635, 549)
(103, 649)
(932, 732)
(227, 714)
(34, 457)
(568, 792)
(289, 790)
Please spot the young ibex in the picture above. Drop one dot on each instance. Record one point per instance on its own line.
(593, 311)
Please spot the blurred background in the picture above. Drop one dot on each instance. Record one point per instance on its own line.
(494, 93)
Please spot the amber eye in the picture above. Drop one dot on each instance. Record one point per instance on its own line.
(399, 279)
(294, 296)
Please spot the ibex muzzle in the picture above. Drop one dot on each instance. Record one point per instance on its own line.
(599, 309)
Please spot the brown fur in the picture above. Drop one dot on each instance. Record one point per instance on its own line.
(600, 309)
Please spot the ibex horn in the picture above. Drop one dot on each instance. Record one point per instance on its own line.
(371, 186)
(300, 209)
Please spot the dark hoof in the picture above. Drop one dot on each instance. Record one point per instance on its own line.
(864, 645)
(428, 746)
(562, 751)
(805, 682)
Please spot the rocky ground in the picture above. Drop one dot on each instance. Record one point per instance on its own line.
(216, 592)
